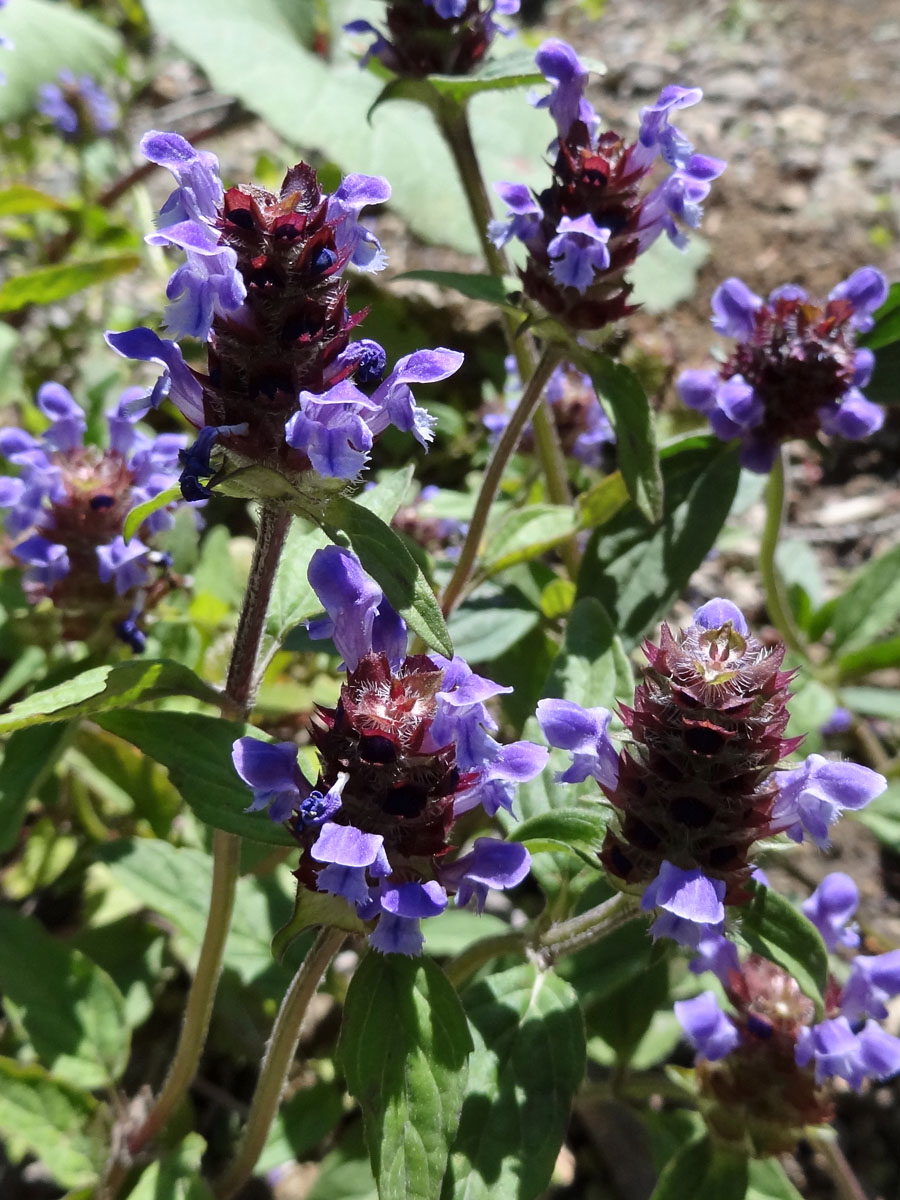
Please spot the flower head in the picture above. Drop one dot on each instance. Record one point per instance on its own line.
(584, 231)
(77, 106)
(796, 369)
(435, 37)
(262, 283)
(403, 752)
(66, 508)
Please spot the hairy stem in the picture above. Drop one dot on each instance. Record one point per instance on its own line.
(277, 1061)
(239, 689)
(454, 125)
(493, 476)
(773, 587)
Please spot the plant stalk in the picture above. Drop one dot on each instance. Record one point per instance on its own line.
(493, 476)
(842, 1175)
(277, 1061)
(453, 123)
(773, 587)
(239, 690)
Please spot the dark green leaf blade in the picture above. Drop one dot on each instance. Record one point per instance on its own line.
(197, 752)
(572, 830)
(529, 1060)
(387, 560)
(477, 287)
(141, 512)
(404, 1047)
(635, 436)
(870, 604)
(72, 1011)
(47, 285)
(55, 1121)
(28, 757)
(772, 927)
(102, 689)
(702, 1170)
(637, 572)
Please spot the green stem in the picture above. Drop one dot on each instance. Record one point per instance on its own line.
(453, 123)
(239, 689)
(461, 969)
(842, 1175)
(277, 1061)
(493, 476)
(776, 601)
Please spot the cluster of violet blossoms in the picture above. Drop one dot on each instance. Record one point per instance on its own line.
(583, 427)
(66, 509)
(77, 106)
(765, 1065)
(435, 37)
(696, 787)
(286, 388)
(585, 230)
(795, 370)
(406, 750)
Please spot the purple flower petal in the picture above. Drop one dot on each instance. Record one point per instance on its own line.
(874, 979)
(350, 598)
(710, 1031)
(417, 900)
(491, 863)
(346, 845)
(690, 895)
(734, 307)
(812, 797)
(68, 421)
(831, 906)
(866, 289)
(146, 346)
(397, 935)
(715, 613)
(853, 417)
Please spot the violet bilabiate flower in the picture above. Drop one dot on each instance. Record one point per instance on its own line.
(66, 508)
(262, 284)
(405, 750)
(435, 37)
(583, 427)
(696, 787)
(765, 1067)
(77, 106)
(796, 369)
(602, 209)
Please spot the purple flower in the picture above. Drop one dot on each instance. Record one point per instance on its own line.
(352, 601)
(865, 290)
(583, 732)
(78, 107)
(67, 418)
(353, 242)
(402, 907)
(873, 980)
(717, 954)
(523, 220)
(838, 1051)
(708, 1029)
(178, 381)
(578, 251)
(812, 797)
(503, 769)
(491, 863)
(47, 562)
(716, 613)
(561, 67)
(395, 400)
(332, 430)
(831, 907)
(125, 563)
(734, 309)
(840, 721)
(272, 771)
(692, 904)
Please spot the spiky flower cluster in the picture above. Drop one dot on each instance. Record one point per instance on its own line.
(77, 106)
(583, 427)
(435, 37)
(263, 285)
(796, 369)
(585, 230)
(765, 1065)
(695, 789)
(405, 751)
(66, 510)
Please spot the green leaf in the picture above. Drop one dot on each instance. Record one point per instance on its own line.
(768, 1181)
(459, 928)
(876, 657)
(571, 830)
(491, 621)
(592, 668)
(335, 97)
(602, 501)
(176, 1176)
(870, 605)
(528, 533)
(635, 436)
(301, 1123)
(20, 200)
(47, 285)
(404, 1047)
(48, 37)
(385, 556)
(665, 276)
(772, 927)
(139, 515)
(873, 701)
(54, 1120)
(529, 1060)
(29, 757)
(175, 882)
(102, 689)
(477, 287)
(514, 70)
(197, 752)
(312, 909)
(637, 572)
(703, 1170)
(72, 1011)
